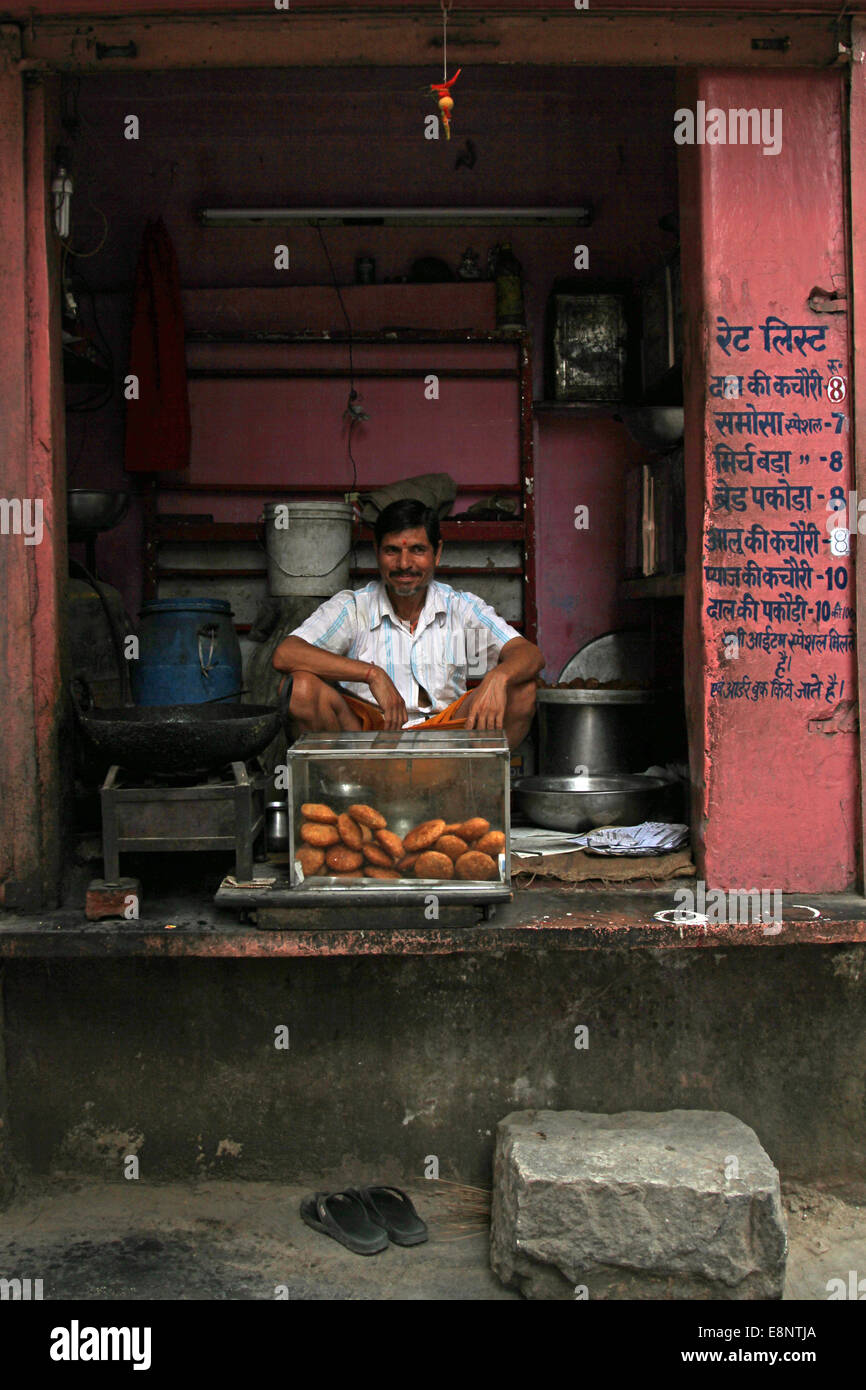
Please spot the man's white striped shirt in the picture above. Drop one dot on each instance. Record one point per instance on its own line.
(458, 636)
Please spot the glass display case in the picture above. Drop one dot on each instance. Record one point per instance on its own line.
(408, 813)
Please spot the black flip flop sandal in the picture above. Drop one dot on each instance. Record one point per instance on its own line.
(392, 1209)
(343, 1216)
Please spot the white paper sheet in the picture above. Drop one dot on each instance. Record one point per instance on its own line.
(650, 837)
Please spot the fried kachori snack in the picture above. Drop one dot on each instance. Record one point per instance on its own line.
(342, 859)
(476, 866)
(350, 831)
(433, 865)
(391, 842)
(375, 854)
(368, 815)
(315, 833)
(473, 828)
(452, 845)
(310, 859)
(492, 843)
(423, 836)
(314, 810)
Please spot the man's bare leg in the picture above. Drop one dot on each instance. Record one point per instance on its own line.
(519, 712)
(318, 707)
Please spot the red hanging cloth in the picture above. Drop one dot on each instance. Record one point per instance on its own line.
(157, 424)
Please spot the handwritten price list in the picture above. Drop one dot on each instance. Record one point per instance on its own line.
(781, 581)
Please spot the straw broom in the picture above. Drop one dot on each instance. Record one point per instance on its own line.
(463, 1211)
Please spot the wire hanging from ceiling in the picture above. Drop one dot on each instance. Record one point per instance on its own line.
(354, 412)
(442, 89)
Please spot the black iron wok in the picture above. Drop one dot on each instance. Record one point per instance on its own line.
(164, 740)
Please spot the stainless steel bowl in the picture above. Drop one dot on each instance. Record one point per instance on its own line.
(91, 510)
(339, 784)
(654, 426)
(585, 803)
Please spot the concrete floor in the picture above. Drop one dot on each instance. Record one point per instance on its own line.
(230, 1241)
(221, 1240)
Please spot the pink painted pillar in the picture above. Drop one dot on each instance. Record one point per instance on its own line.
(857, 298)
(31, 470)
(774, 757)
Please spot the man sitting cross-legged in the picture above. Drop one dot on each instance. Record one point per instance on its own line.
(410, 643)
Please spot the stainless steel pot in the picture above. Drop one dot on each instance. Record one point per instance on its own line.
(603, 731)
(278, 825)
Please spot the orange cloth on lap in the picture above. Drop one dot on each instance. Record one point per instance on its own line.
(372, 718)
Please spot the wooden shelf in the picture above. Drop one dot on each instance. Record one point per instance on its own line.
(347, 373)
(470, 531)
(654, 586)
(290, 313)
(448, 337)
(192, 572)
(213, 318)
(164, 531)
(588, 408)
(363, 571)
(291, 491)
(475, 571)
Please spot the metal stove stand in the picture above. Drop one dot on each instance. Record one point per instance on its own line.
(227, 811)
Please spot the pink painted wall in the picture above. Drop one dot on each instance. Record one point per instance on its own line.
(355, 137)
(293, 430)
(777, 783)
(33, 801)
(578, 599)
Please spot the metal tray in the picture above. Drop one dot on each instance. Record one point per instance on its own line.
(394, 895)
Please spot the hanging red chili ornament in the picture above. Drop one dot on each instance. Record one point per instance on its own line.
(446, 100)
(442, 89)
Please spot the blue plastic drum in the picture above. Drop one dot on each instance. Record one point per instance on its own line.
(188, 652)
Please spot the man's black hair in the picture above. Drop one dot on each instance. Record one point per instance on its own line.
(403, 515)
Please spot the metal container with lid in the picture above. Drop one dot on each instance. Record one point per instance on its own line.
(599, 731)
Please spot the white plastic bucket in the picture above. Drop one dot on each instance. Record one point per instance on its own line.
(308, 546)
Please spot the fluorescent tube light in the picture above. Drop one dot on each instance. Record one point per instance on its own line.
(395, 217)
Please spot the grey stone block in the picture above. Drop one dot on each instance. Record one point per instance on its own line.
(679, 1204)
